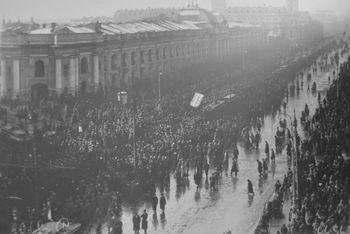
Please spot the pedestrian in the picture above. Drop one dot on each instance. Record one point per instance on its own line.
(155, 203)
(277, 186)
(197, 178)
(259, 167)
(265, 166)
(284, 229)
(234, 168)
(144, 217)
(250, 188)
(206, 169)
(136, 220)
(235, 153)
(162, 202)
(267, 149)
(273, 156)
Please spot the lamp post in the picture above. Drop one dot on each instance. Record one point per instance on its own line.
(134, 130)
(159, 86)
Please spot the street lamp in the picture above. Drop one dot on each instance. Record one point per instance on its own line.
(159, 86)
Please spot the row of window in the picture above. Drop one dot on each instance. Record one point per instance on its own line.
(164, 53)
(39, 68)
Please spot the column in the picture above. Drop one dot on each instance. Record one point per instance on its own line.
(16, 88)
(76, 72)
(58, 76)
(72, 74)
(96, 71)
(3, 78)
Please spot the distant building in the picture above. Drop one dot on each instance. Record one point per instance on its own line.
(292, 5)
(36, 60)
(127, 15)
(269, 17)
(331, 23)
(218, 5)
(282, 22)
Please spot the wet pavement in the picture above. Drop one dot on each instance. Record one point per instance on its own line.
(203, 211)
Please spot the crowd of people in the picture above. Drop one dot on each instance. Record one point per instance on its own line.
(323, 164)
(317, 162)
(93, 155)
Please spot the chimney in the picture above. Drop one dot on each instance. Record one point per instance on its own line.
(53, 27)
(98, 27)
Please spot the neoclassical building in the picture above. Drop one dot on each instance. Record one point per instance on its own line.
(38, 59)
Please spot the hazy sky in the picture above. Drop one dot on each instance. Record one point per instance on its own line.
(24, 9)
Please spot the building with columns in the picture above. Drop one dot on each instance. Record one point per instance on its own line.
(40, 59)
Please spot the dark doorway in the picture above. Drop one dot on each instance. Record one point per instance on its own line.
(82, 89)
(39, 92)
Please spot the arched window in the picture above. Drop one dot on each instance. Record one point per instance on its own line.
(114, 62)
(157, 54)
(142, 56)
(164, 53)
(124, 63)
(170, 52)
(133, 58)
(39, 68)
(105, 63)
(84, 66)
(149, 55)
(66, 70)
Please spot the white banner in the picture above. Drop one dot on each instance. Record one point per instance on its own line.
(197, 100)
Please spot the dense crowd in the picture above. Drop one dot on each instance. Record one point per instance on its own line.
(324, 166)
(86, 146)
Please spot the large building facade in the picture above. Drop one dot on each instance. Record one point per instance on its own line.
(286, 22)
(41, 59)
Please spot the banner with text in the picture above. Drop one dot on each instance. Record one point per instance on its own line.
(197, 100)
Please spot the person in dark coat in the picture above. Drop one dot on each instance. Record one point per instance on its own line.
(136, 220)
(250, 188)
(265, 166)
(206, 169)
(155, 203)
(267, 149)
(273, 156)
(260, 167)
(144, 217)
(162, 202)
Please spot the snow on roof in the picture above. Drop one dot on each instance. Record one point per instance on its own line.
(41, 31)
(189, 12)
(241, 25)
(155, 25)
(72, 29)
(80, 29)
(145, 26)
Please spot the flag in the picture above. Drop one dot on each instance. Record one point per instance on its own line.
(197, 100)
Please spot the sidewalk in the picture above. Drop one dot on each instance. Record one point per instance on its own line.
(276, 224)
